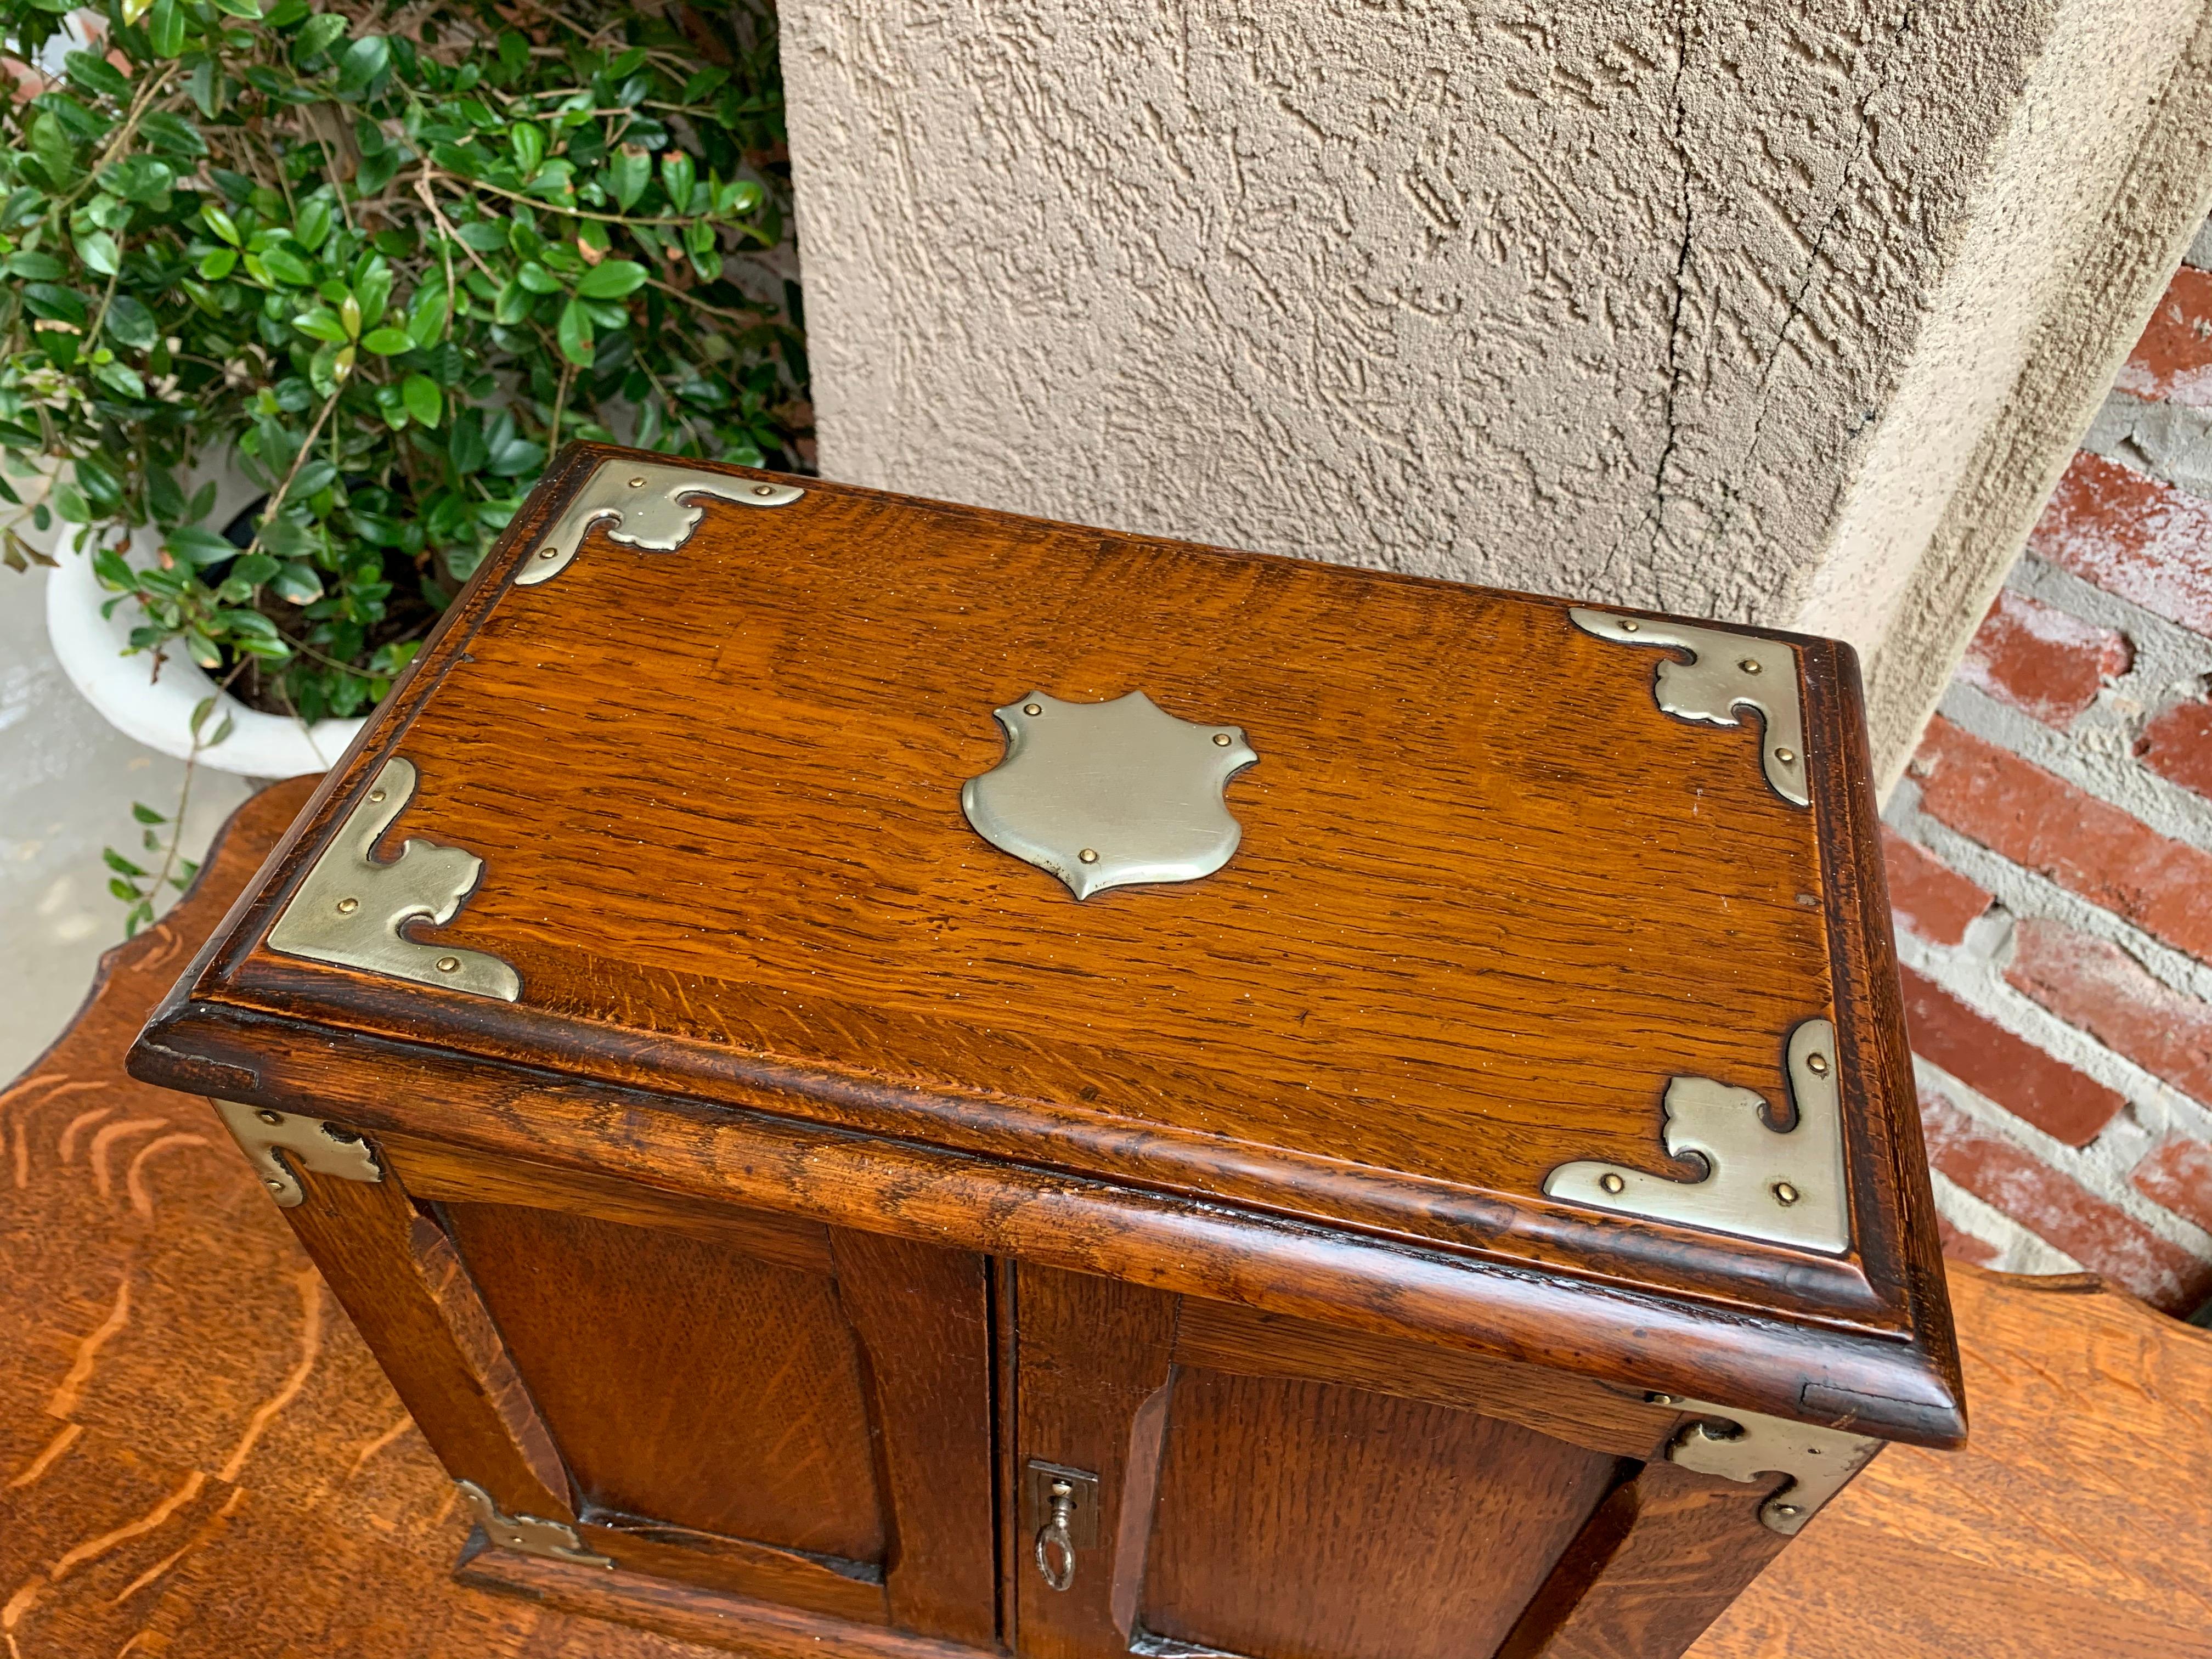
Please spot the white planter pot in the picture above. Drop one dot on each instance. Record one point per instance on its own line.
(94, 652)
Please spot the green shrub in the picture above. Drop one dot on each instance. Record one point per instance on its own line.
(393, 258)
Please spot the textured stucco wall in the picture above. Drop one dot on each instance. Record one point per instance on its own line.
(1714, 307)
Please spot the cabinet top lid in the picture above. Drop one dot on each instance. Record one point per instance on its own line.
(1539, 938)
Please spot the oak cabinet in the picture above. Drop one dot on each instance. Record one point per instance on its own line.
(853, 1131)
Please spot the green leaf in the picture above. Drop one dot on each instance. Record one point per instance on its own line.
(425, 316)
(389, 342)
(117, 862)
(298, 582)
(318, 34)
(610, 279)
(239, 7)
(574, 333)
(172, 133)
(629, 172)
(464, 446)
(313, 223)
(527, 145)
(98, 251)
(146, 814)
(254, 569)
(322, 324)
(118, 378)
(91, 73)
(190, 544)
(220, 222)
(677, 175)
(130, 323)
(114, 575)
(123, 890)
(289, 268)
(535, 277)
(423, 399)
(313, 478)
(361, 63)
(218, 263)
(165, 28)
(36, 267)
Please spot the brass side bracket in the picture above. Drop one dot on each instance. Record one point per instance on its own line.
(1817, 1461)
(527, 1534)
(326, 1149)
(1759, 1182)
(1727, 671)
(643, 504)
(350, 909)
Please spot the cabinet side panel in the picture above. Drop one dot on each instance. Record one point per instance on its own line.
(684, 1382)
(1305, 1520)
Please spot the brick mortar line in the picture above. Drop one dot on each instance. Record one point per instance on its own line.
(2026, 894)
(2090, 1175)
(2116, 779)
(2172, 649)
(1978, 979)
(2019, 1248)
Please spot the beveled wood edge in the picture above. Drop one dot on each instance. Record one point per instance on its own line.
(1524, 1228)
(1840, 1378)
(845, 1590)
(1873, 1051)
(715, 1617)
(1225, 1336)
(436, 1171)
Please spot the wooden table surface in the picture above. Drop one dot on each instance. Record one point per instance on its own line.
(198, 1457)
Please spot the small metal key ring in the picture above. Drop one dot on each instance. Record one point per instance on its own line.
(1053, 1536)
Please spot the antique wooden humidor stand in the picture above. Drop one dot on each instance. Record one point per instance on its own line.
(908, 1081)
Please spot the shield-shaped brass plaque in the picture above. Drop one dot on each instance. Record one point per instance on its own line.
(1107, 794)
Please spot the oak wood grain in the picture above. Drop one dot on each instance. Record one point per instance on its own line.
(1225, 1337)
(398, 1281)
(1668, 1551)
(684, 1382)
(186, 1406)
(1091, 1356)
(1490, 898)
(1298, 1519)
(435, 1170)
(922, 1320)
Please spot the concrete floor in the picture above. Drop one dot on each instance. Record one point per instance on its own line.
(67, 780)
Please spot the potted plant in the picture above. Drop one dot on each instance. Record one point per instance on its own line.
(301, 301)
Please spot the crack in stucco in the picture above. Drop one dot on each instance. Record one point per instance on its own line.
(1730, 489)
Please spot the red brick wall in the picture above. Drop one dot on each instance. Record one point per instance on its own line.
(2050, 861)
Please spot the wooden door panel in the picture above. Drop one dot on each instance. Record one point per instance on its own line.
(684, 1381)
(1304, 1520)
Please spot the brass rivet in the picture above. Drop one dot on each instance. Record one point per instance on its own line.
(1221, 740)
(1088, 856)
(1611, 1183)
(1784, 1193)
(447, 965)
(375, 796)
(1749, 664)
(637, 483)
(1817, 1065)
(763, 489)
(1628, 624)
(268, 1116)
(1785, 1509)
(1787, 756)
(273, 1184)
(347, 907)
(549, 552)
(1660, 1399)
(1033, 708)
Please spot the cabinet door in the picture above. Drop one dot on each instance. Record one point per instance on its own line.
(745, 1402)
(1262, 1498)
